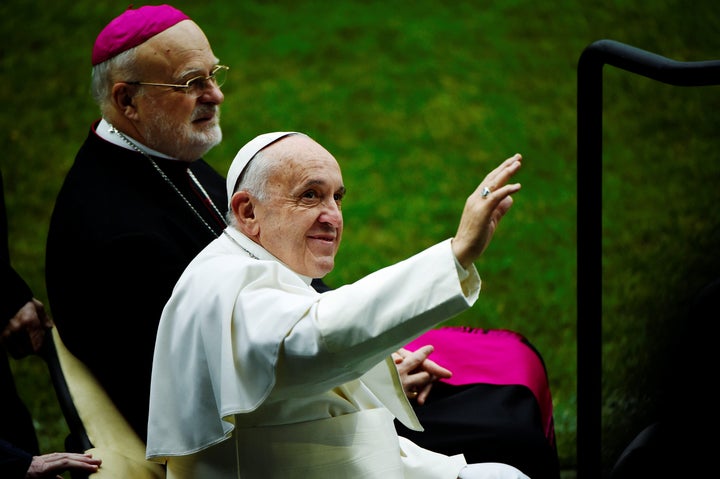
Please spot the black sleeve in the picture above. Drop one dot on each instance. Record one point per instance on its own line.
(14, 462)
(15, 291)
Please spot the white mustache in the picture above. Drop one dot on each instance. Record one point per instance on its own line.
(205, 111)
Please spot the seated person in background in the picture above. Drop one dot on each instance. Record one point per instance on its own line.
(255, 374)
(113, 259)
(23, 328)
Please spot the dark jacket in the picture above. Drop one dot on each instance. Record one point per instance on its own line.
(18, 442)
(119, 238)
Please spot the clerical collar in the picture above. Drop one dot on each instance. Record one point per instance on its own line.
(255, 250)
(103, 130)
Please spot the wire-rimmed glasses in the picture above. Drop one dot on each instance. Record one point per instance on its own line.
(195, 86)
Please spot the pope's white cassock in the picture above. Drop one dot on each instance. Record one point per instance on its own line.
(256, 375)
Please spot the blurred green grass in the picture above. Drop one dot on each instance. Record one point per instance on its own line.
(418, 101)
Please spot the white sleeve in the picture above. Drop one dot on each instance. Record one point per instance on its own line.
(350, 329)
(490, 470)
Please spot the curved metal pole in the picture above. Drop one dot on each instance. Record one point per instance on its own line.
(589, 219)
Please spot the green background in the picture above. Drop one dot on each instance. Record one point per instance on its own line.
(418, 100)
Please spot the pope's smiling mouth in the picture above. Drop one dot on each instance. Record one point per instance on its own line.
(323, 238)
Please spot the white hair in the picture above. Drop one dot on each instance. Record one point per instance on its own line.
(121, 67)
(255, 178)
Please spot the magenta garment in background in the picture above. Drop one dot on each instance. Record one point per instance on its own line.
(491, 356)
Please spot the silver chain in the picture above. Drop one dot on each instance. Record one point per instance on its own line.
(169, 181)
(200, 187)
(238, 243)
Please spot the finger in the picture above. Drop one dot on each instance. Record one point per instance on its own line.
(400, 354)
(424, 393)
(417, 381)
(413, 360)
(498, 176)
(37, 337)
(435, 369)
(497, 179)
(14, 325)
(423, 352)
(66, 459)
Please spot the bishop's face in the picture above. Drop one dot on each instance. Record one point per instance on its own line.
(175, 122)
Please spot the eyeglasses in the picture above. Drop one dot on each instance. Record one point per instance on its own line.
(195, 86)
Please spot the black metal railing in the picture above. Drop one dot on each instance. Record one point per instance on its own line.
(589, 219)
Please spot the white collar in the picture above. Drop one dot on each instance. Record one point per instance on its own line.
(103, 130)
(256, 251)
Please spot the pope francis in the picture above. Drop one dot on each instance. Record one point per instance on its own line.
(258, 376)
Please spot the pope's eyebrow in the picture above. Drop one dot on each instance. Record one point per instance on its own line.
(317, 182)
(314, 182)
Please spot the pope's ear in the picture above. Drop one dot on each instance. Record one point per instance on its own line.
(243, 208)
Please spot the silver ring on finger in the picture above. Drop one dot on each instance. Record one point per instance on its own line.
(485, 192)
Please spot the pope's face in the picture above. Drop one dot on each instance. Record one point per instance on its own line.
(300, 222)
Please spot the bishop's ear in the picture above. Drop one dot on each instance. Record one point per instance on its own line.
(123, 96)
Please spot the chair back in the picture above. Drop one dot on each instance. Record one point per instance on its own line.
(96, 426)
